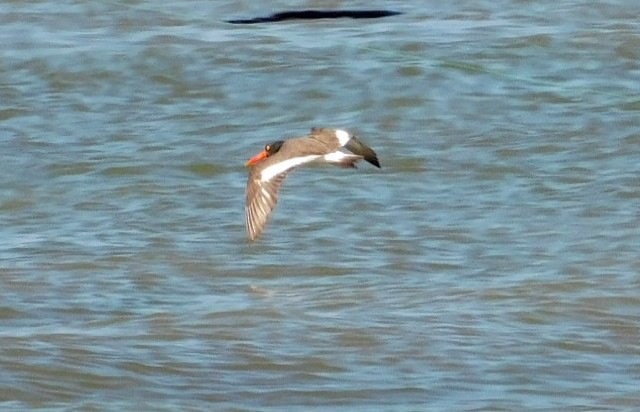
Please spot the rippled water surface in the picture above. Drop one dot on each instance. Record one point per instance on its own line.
(491, 264)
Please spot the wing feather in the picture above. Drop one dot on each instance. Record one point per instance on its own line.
(262, 197)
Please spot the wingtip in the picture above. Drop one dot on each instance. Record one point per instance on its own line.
(373, 160)
(371, 157)
(252, 236)
(355, 145)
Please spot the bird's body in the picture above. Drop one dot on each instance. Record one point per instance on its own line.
(271, 166)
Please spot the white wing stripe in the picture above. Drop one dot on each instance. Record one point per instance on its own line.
(342, 136)
(269, 172)
(336, 157)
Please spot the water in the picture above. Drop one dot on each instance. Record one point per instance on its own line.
(491, 264)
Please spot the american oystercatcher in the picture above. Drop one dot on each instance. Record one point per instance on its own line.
(273, 164)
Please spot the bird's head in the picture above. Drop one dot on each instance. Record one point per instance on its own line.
(269, 150)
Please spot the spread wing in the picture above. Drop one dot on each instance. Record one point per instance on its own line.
(262, 197)
(262, 189)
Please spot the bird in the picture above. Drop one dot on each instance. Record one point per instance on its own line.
(270, 167)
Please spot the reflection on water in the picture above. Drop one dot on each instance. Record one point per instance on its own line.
(491, 264)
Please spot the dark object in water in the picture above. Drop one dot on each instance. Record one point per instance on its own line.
(318, 14)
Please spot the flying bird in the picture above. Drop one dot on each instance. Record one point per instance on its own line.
(270, 167)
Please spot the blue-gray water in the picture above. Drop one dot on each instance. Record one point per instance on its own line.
(491, 264)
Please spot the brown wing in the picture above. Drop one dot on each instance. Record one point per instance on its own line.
(323, 140)
(262, 198)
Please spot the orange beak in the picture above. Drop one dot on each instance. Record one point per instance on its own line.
(255, 159)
